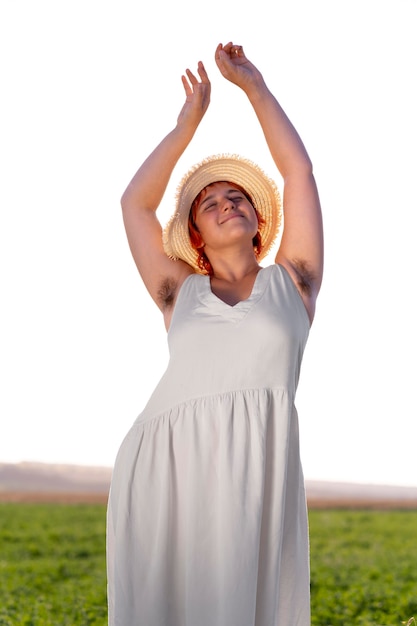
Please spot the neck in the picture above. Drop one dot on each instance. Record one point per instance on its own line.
(232, 269)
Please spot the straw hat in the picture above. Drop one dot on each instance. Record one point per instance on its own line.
(223, 167)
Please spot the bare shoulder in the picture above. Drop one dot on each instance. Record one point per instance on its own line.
(303, 276)
(169, 289)
(306, 282)
(167, 294)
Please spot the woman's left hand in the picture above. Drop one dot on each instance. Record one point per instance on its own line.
(236, 67)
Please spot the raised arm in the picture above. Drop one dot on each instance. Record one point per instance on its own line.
(301, 247)
(161, 275)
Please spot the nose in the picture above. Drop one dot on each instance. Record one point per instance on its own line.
(228, 205)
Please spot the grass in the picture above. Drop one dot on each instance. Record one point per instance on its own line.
(363, 567)
(52, 566)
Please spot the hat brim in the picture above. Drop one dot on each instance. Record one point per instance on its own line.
(234, 169)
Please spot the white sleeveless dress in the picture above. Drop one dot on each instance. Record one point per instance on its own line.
(207, 521)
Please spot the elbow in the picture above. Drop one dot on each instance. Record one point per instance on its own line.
(301, 174)
(298, 168)
(304, 166)
(126, 200)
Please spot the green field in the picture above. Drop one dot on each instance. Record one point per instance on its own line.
(363, 567)
(52, 566)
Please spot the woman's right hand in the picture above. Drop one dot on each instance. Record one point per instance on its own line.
(197, 98)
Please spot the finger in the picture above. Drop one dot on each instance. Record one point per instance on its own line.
(202, 72)
(218, 52)
(193, 80)
(222, 56)
(187, 88)
(234, 50)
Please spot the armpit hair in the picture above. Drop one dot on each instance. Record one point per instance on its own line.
(167, 292)
(305, 276)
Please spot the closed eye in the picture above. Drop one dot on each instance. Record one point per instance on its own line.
(208, 204)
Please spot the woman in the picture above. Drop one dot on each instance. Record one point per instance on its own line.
(207, 521)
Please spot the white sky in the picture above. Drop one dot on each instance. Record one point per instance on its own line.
(88, 88)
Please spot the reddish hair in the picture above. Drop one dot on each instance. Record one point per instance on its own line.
(195, 237)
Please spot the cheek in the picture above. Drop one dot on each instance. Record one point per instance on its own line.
(203, 223)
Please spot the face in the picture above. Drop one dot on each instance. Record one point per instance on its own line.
(224, 215)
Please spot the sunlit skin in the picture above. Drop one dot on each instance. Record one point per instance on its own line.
(225, 218)
(228, 246)
(227, 223)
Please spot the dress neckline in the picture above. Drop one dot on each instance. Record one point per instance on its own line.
(243, 300)
(238, 310)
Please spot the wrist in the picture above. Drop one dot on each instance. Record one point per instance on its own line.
(257, 92)
(183, 133)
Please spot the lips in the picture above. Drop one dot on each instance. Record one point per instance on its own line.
(230, 217)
